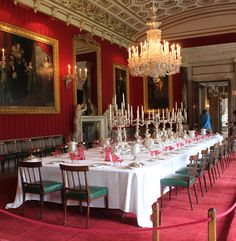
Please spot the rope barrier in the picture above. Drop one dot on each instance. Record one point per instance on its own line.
(124, 230)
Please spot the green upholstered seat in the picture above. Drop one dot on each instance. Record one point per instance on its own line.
(47, 187)
(76, 187)
(32, 182)
(93, 192)
(173, 180)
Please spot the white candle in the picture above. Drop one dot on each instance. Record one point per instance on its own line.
(128, 107)
(163, 114)
(175, 105)
(68, 69)
(142, 113)
(137, 113)
(115, 99)
(3, 52)
(131, 114)
(110, 114)
(149, 115)
(153, 116)
(181, 104)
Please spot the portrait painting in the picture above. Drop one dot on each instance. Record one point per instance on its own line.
(121, 84)
(29, 81)
(158, 93)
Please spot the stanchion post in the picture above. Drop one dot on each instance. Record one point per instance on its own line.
(212, 224)
(155, 221)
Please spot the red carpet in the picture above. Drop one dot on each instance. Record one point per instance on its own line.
(109, 225)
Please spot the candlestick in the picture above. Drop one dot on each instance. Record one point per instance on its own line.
(142, 113)
(137, 113)
(69, 69)
(110, 113)
(3, 52)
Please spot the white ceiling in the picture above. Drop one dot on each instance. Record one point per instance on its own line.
(123, 21)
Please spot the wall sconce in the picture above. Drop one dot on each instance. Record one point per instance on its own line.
(68, 77)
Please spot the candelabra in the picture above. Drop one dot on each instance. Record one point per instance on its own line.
(68, 77)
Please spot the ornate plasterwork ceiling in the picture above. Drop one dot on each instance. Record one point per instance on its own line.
(123, 21)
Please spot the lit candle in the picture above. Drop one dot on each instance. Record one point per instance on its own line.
(163, 114)
(69, 69)
(110, 114)
(131, 114)
(137, 113)
(115, 99)
(153, 116)
(3, 52)
(142, 113)
(75, 70)
(86, 71)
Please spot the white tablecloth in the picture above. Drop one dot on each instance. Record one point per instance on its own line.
(130, 190)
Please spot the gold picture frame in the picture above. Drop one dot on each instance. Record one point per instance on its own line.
(158, 94)
(121, 83)
(29, 72)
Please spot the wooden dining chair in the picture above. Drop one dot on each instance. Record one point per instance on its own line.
(32, 182)
(181, 180)
(200, 173)
(76, 187)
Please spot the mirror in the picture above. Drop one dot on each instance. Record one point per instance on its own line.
(88, 84)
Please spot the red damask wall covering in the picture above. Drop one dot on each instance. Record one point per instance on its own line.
(30, 125)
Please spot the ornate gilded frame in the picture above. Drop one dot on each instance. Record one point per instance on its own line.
(147, 90)
(34, 39)
(123, 70)
(87, 39)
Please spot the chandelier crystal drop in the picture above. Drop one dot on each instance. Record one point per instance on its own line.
(154, 58)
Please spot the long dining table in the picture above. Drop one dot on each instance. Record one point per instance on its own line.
(132, 190)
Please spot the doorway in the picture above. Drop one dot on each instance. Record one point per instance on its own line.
(213, 95)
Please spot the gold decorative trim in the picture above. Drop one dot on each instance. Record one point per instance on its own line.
(89, 41)
(14, 109)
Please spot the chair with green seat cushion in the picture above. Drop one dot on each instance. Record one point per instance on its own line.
(200, 169)
(76, 187)
(181, 180)
(32, 182)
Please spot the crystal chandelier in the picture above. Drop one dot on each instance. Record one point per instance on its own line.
(154, 58)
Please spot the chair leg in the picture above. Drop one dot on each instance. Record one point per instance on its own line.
(209, 175)
(65, 211)
(218, 170)
(106, 201)
(41, 208)
(88, 212)
(200, 182)
(189, 197)
(194, 187)
(204, 178)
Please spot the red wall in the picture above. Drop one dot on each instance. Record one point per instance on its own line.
(29, 125)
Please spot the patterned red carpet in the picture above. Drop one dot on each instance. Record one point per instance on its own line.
(110, 226)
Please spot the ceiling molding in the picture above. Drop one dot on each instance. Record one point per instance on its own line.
(123, 21)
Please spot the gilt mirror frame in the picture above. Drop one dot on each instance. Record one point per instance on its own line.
(31, 66)
(148, 91)
(87, 39)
